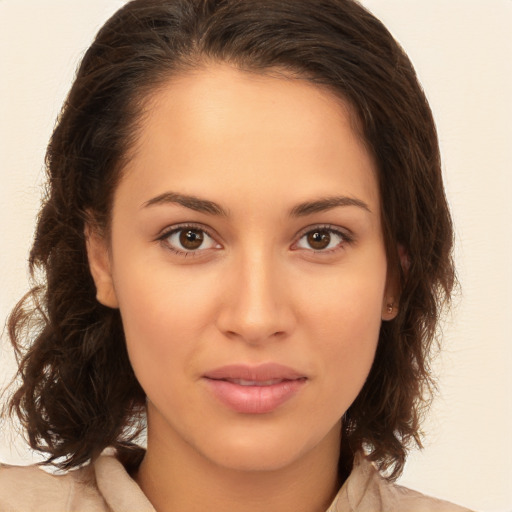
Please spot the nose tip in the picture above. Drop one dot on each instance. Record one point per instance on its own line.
(255, 320)
(254, 334)
(256, 307)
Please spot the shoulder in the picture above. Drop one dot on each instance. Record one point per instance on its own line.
(367, 491)
(102, 486)
(405, 499)
(25, 488)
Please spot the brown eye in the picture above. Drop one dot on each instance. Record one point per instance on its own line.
(319, 239)
(322, 239)
(191, 239)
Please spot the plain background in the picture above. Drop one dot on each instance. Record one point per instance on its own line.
(462, 50)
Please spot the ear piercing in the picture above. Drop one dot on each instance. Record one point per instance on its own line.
(390, 307)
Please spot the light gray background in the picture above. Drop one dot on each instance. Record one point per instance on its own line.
(462, 50)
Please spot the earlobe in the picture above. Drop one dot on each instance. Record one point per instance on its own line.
(100, 267)
(389, 309)
(390, 303)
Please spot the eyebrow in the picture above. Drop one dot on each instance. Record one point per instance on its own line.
(211, 208)
(191, 202)
(327, 203)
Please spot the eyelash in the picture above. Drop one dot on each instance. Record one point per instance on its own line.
(179, 228)
(346, 238)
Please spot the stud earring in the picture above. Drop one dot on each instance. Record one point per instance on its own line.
(390, 308)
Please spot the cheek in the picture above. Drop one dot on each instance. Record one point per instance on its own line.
(163, 314)
(351, 339)
(348, 302)
(348, 351)
(344, 324)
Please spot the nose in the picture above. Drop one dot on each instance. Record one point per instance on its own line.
(256, 304)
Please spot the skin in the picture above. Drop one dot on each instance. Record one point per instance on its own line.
(255, 291)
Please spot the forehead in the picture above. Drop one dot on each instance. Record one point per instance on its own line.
(222, 127)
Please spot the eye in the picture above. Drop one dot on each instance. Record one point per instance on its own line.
(188, 239)
(322, 239)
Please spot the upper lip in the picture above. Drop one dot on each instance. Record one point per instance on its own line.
(262, 372)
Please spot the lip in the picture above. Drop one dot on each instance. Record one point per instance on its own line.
(254, 389)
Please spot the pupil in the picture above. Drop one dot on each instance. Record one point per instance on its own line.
(319, 239)
(191, 239)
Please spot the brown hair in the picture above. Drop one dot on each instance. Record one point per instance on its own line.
(78, 392)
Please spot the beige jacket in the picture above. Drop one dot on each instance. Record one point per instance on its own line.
(106, 486)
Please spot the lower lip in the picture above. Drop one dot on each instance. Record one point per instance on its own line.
(254, 399)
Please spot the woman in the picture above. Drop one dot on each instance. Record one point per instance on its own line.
(245, 238)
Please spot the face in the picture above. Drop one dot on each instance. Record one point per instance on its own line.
(247, 260)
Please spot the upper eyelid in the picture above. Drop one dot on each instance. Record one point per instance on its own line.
(178, 227)
(344, 232)
(207, 229)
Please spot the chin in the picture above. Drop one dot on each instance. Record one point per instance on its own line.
(266, 452)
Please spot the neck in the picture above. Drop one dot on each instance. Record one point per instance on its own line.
(174, 476)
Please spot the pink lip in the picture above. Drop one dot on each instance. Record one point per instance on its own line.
(273, 385)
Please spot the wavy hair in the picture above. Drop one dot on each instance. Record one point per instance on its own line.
(78, 392)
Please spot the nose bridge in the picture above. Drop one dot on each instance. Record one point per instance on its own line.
(257, 307)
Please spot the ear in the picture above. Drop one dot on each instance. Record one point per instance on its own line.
(391, 299)
(390, 303)
(100, 266)
(389, 307)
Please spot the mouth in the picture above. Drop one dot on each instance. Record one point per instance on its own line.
(243, 382)
(254, 390)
